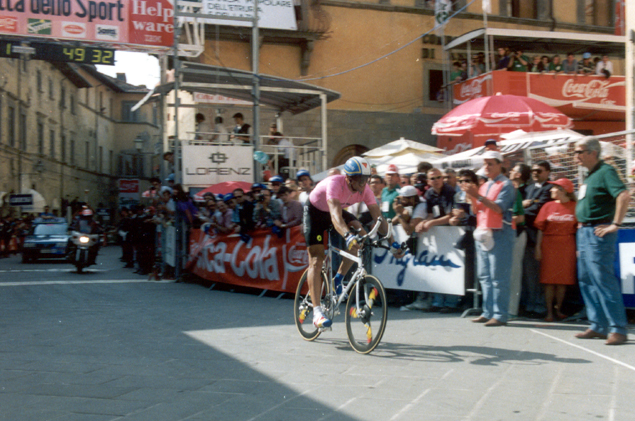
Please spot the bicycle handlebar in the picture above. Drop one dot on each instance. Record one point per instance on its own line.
(377, 243)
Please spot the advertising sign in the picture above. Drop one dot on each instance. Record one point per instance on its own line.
(140, 22)
(434, 266)
(128, 192)
(218, 99)
(625, 265)
(21, 200)
(204, 165)
(581, 95)
(472, 88)
(273, 14)
(266, 261)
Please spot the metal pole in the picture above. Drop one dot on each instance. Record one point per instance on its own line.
(629, 73)
(178, 223)
(255, 56)
(324, 148)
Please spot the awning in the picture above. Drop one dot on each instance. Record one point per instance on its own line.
(543, 41)
(275, 92)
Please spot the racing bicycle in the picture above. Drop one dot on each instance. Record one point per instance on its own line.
(366, 307)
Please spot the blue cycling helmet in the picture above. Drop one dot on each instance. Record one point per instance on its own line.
(357, 166)
(302, 173)
(276, 179)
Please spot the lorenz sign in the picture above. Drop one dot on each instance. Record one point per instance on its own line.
(205, 165)
(138, 22)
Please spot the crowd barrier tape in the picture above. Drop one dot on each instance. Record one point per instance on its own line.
(434, 266)
(266, 261)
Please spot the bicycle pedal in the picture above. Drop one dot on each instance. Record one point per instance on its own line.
(324, 329)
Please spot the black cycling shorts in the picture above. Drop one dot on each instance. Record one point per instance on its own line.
(316, 222)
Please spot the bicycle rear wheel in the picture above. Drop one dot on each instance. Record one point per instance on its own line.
(366, 314)
(303, 307)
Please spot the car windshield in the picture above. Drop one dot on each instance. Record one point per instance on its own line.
(50, 229)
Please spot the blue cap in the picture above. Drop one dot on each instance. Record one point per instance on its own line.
(228, 197)
(258, 186)
(170, 177)
(586, 55)
(276, 179)
(302, 173)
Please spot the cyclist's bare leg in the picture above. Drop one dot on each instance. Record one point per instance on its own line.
(316, 258)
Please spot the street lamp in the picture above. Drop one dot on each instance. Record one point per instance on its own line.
(138, 144)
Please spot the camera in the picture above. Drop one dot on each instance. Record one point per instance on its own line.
(260, 197)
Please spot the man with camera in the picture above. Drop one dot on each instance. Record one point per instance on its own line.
(518, 62)
(267, 210)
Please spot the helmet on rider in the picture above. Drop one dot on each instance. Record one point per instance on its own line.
(357, 169)
(87, 212)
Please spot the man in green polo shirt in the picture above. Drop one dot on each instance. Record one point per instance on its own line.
(390, 192)
(602, 203)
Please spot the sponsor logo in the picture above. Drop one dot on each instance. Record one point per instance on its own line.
(218, 158)
(107, 32)
(39, 26)
(73, 29)
(472, 88)
(593, 89)
(131, 186)
(153, 39)
(8, 24)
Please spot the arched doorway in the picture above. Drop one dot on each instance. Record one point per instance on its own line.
(348, 152)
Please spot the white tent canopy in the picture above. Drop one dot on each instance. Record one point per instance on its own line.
(515, 141)
(401, 147)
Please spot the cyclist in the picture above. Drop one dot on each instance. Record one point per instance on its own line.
(324, 210)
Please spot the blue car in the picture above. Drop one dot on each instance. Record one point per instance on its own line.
(47, 239)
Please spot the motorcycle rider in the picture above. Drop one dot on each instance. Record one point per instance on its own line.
(85, 223)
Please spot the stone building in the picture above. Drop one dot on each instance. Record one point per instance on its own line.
(385, 60)
(67, 131)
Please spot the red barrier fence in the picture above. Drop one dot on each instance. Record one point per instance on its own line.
(266, 261)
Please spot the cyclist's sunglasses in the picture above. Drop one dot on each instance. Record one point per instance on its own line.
(360, 179)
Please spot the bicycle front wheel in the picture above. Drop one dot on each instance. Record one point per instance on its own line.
(303, 307)
(366, 314)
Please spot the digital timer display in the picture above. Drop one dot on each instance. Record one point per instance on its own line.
(61, 52)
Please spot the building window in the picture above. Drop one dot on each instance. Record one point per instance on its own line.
(23, 131)
(87, 154)
(62, 96)
(11, 128)
(51, 89)
(525, 9)
(40, 138)
(72, 151)
(127, 114)
(40, 88)
(101, 159)
(111, 162)
(63, 147)
(597, 12)
(72, 101)
(52, 142)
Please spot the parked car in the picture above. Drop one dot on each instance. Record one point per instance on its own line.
(47, 239)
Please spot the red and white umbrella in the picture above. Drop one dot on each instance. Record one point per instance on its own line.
(488, 117)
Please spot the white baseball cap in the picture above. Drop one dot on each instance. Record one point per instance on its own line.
(408, 191)
(493, 155)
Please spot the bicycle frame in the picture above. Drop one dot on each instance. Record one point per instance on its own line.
(359, 273)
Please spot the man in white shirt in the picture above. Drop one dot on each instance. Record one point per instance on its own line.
(220, 132)
(604, 67)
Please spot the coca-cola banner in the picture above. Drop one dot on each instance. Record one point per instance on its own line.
(139, 22)
(472, 88)
(589, 97)
(267, 261)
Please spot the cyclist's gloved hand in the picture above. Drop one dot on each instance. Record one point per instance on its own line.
(351, 240)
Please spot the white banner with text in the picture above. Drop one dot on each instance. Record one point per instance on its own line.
(204, 165)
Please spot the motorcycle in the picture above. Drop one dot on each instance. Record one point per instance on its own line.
(79, 250)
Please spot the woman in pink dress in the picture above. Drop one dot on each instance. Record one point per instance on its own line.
(556, 247)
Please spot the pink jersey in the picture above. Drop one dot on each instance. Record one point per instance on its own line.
(335, 187)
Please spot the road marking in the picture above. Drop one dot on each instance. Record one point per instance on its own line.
(613, 360)
(87, 281)
(410, 405)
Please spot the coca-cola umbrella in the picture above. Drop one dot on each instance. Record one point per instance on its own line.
(488, 117)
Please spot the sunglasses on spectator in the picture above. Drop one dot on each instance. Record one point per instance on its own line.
(537, 170)
(434, 178)
(238, 197)
(467, 180)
